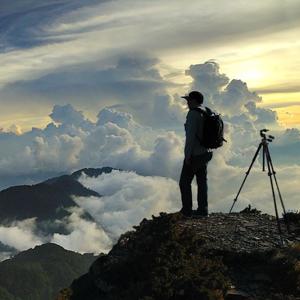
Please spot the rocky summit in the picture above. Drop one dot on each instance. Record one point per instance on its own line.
(242, 232)
(221, 257)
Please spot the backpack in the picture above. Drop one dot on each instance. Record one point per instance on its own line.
(213, 130)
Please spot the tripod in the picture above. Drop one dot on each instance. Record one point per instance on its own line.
(266, 158)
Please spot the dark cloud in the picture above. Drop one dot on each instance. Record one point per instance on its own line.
(285, 148)
(22, 22)
(222, 24)
(281, 104)
(278, 89)
(263, 116)
(133, 83)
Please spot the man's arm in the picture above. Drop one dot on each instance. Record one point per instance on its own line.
(190, 133)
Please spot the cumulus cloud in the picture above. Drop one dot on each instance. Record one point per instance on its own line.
(19, 234)
(73, 142)
(140, 124)
(67, 115)
(239, 108)
(127, 199)
(4, 255)
(262, 116)
(53, 54)
(82, 235)
(118, 140)
(122, 119)
(85, 236)
(15, 129)
(227, 96)
(207, 78)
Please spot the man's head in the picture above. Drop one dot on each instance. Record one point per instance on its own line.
(194, 99)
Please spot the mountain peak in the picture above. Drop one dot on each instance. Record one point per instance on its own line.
(220, 257)
(93, 172)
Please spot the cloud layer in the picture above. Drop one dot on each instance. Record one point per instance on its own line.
(64, 51)
(152, 157)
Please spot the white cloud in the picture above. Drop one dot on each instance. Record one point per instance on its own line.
(4, 255)
(19, 234)
(70, 64)
(116, 139)
(85, 236)
(127, 198)
(227, 96)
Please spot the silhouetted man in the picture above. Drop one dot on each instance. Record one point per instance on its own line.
(196, 158)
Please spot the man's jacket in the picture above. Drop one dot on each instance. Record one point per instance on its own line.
(194, 134)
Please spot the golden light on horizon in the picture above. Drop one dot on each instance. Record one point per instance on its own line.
(287, 106)
(289, 116)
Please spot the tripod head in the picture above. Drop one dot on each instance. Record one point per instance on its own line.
(265, 137)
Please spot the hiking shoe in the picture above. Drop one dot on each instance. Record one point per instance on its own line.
(185, 213)
(198, 214)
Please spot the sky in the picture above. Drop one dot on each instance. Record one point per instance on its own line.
(58, 51)
(98, 83)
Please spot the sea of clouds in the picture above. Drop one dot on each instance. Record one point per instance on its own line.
(145, 138)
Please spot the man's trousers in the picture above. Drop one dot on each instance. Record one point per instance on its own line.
(197, 167)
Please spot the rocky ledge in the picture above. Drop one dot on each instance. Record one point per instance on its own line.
(222, 257)
(246, 231)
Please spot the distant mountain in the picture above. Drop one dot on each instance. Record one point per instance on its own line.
(48, 201)
(93, 172)
(39, 273)
(45, 200)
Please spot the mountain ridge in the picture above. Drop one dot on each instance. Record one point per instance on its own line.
(47, 201)
(171, 257)
(40, 272)
(42, 200)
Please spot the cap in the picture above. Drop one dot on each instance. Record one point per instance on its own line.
(194, 95)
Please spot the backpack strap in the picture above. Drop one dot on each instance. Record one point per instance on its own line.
(199, 110)
(206, 112)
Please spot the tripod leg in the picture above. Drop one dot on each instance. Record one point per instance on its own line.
(247, 173)
(273, 192)
(264, 156)
(277, 186)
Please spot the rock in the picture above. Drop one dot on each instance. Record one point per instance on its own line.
(262, 277)
(234, 294)
(242, 229)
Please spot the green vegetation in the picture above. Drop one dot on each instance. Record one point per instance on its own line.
(39, 273)
(164, 260)
(159, 261)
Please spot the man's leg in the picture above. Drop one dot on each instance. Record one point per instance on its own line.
(185, 181)
(201, 177)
